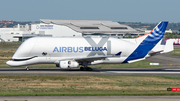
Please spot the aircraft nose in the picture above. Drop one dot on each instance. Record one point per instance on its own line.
(15, 63)
(8, 63)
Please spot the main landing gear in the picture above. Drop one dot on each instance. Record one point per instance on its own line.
(85, 68)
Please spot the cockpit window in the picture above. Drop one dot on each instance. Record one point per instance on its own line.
(23, 59)
(11, 59)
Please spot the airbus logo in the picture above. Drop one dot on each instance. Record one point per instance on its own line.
(94, 48)
(78, 49)
(68, 49)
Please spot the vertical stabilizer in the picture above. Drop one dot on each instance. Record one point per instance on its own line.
(148, 41)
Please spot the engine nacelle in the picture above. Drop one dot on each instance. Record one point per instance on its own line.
(68, 64)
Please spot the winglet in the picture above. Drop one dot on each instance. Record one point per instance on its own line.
(118, 54)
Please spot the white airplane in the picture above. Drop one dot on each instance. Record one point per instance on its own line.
(70, 52)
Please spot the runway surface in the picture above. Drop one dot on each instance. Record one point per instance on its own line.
(156, 71)
(90, 98)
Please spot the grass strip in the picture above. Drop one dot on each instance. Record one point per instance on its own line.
(43, 85)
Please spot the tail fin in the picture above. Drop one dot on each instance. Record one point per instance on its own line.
(157, 33)
(161, 27)
(148, 41)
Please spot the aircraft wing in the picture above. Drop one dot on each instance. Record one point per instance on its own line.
(93, 58)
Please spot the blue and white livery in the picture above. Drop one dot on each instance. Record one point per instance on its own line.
(70, 52)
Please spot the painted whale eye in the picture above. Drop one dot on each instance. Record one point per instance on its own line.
(44, 53)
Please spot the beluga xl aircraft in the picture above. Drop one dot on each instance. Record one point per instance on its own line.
(70, 52)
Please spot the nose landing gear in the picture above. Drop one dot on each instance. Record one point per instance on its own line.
(27, 67)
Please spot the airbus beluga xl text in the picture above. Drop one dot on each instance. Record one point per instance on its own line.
(70, 52)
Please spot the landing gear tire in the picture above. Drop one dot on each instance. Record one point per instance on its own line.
(88, 69)
(81, 68)
(85, 68)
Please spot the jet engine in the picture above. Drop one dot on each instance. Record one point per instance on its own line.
(67, 64)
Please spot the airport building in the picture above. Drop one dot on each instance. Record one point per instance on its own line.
(73, 28)
(8, 34)
(94, 27)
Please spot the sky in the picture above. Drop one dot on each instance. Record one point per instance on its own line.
(146, 11)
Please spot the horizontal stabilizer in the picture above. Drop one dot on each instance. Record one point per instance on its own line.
(169, 46)
(136, 60)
